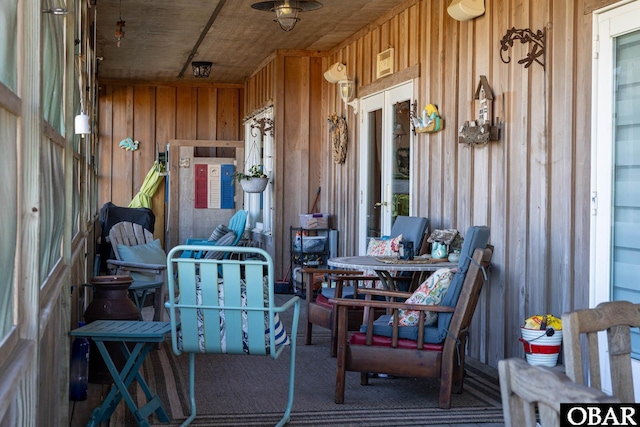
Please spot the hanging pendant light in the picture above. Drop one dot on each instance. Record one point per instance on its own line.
(119, 27)
(287, 10)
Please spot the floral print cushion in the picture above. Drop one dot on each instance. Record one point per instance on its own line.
(430, 292)
(384, 247)
(381, 247)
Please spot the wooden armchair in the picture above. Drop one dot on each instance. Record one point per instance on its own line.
(616, 318)
(320, 311)
(525, 387)
(436, 351)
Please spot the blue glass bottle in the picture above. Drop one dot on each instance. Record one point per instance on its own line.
(79, 370)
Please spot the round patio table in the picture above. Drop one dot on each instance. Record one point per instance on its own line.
(387, 268)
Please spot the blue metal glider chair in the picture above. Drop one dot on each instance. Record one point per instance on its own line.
(227, 306)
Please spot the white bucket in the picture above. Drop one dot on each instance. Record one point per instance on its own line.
(541, 347)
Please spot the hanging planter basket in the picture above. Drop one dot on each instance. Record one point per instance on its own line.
(254, 185)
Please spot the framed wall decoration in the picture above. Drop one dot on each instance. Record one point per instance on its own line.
(384, 63)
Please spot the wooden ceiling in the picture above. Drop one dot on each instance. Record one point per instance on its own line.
(162, 37)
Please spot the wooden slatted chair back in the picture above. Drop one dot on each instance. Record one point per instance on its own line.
(128, 234)
(616, 318)
(525, 388)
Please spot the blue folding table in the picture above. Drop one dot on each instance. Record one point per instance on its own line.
(144, 335)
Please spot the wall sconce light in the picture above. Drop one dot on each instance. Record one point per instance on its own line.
(337, 73)
(287, 10)
(463, 10)
(346, 89)
(81, 125)
(201, 69)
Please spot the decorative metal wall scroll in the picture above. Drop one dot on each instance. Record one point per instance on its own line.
(536, 52)
(263, 125)
(339, 137)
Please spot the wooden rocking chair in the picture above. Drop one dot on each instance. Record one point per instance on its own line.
(321, 312)
(227, 306)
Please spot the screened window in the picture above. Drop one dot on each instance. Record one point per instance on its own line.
(626, 174)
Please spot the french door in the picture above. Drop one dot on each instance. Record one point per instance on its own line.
(615, 239)
(385, 166)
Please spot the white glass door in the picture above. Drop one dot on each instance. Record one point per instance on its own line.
(385, 153)
(615, 239)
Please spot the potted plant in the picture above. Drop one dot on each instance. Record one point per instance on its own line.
(254, 180)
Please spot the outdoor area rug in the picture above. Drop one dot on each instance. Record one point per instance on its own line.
(252, 391)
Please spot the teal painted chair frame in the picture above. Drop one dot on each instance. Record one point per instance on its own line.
(237, 224)
(252, 265)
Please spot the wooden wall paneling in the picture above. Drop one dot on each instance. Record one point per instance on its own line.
(413, 34)
(404, 35)
(582, 163)
(105, 133)
(468, 79)
(228, 125)
(421, 164)
(477, 194)
(144, 132)
(371, 48)
(250, 96)
(435, 161)
(207, 126)
(316, 150)
(351, 199)
(444, 99)
(538, 178)
(376, 48)
(122, 173)
(561, 146)
(281, 198)
(186, 113)
(496, 291)
(518, 155)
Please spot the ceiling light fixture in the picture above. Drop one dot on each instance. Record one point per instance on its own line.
(201, 69)
(119, 26)
(287, 10)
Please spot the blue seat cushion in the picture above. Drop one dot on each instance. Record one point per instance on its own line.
(347, 292)
(412, 229)
(381, 327)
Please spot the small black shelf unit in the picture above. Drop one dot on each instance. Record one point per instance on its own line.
(309, 248)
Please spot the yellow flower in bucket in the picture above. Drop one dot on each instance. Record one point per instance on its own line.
(541, 336)
(543, 322)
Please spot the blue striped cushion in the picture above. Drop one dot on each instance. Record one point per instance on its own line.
(281, 335)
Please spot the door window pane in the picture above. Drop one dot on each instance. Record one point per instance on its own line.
(374, 168)
(400, 161)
